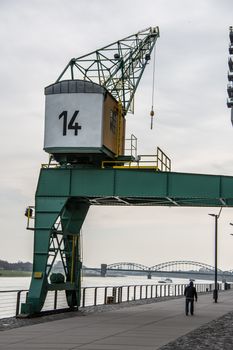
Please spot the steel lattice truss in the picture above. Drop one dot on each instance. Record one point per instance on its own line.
(127, 266)
(183, 265)
(118, 66)
(174, 266)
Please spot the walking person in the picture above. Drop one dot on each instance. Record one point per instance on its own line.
(190, 293)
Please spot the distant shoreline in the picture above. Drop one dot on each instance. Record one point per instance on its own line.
(14, 273)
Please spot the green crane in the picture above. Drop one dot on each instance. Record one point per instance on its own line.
(84, 120)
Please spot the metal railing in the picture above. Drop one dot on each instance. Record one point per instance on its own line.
(131, 146)
(158, 162)
(10, 300)
(164, 162)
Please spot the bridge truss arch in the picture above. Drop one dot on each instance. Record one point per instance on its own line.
(127, 266)
(183, 265)
(168, 266)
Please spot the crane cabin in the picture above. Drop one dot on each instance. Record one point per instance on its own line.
(83, 122)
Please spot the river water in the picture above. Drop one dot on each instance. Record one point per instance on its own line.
(16, 283)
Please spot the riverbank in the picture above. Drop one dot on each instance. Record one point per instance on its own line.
(14, 273)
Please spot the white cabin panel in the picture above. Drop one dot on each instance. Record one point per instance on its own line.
(73, 121)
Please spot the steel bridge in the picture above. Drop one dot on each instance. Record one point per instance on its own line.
(177, 268)
(178, 265)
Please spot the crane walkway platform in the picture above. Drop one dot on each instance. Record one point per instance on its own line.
(141, 327)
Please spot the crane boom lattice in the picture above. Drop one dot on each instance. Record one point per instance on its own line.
(118, 66)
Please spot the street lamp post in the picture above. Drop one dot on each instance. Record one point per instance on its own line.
(215, 293)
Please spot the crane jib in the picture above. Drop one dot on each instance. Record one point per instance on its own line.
(118, 66)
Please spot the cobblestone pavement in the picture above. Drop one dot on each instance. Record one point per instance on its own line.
(215, 335)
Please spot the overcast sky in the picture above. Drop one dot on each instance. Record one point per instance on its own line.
(192, 123)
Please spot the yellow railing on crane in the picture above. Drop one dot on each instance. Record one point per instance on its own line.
(158, 162)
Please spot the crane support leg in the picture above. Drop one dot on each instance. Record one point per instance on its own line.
(58, 221)
(72, 219)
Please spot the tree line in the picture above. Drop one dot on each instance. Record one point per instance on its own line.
(18, 266)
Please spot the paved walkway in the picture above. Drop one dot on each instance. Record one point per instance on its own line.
(142, 327)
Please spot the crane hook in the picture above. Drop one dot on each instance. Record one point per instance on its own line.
(152, 113)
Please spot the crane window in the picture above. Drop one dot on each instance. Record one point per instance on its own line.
(113, 121)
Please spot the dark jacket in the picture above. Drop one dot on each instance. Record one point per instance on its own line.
(190, 292)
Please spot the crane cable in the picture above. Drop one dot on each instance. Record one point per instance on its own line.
(152, 113)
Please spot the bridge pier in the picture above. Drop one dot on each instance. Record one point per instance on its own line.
(103, 270)
(149, 275)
